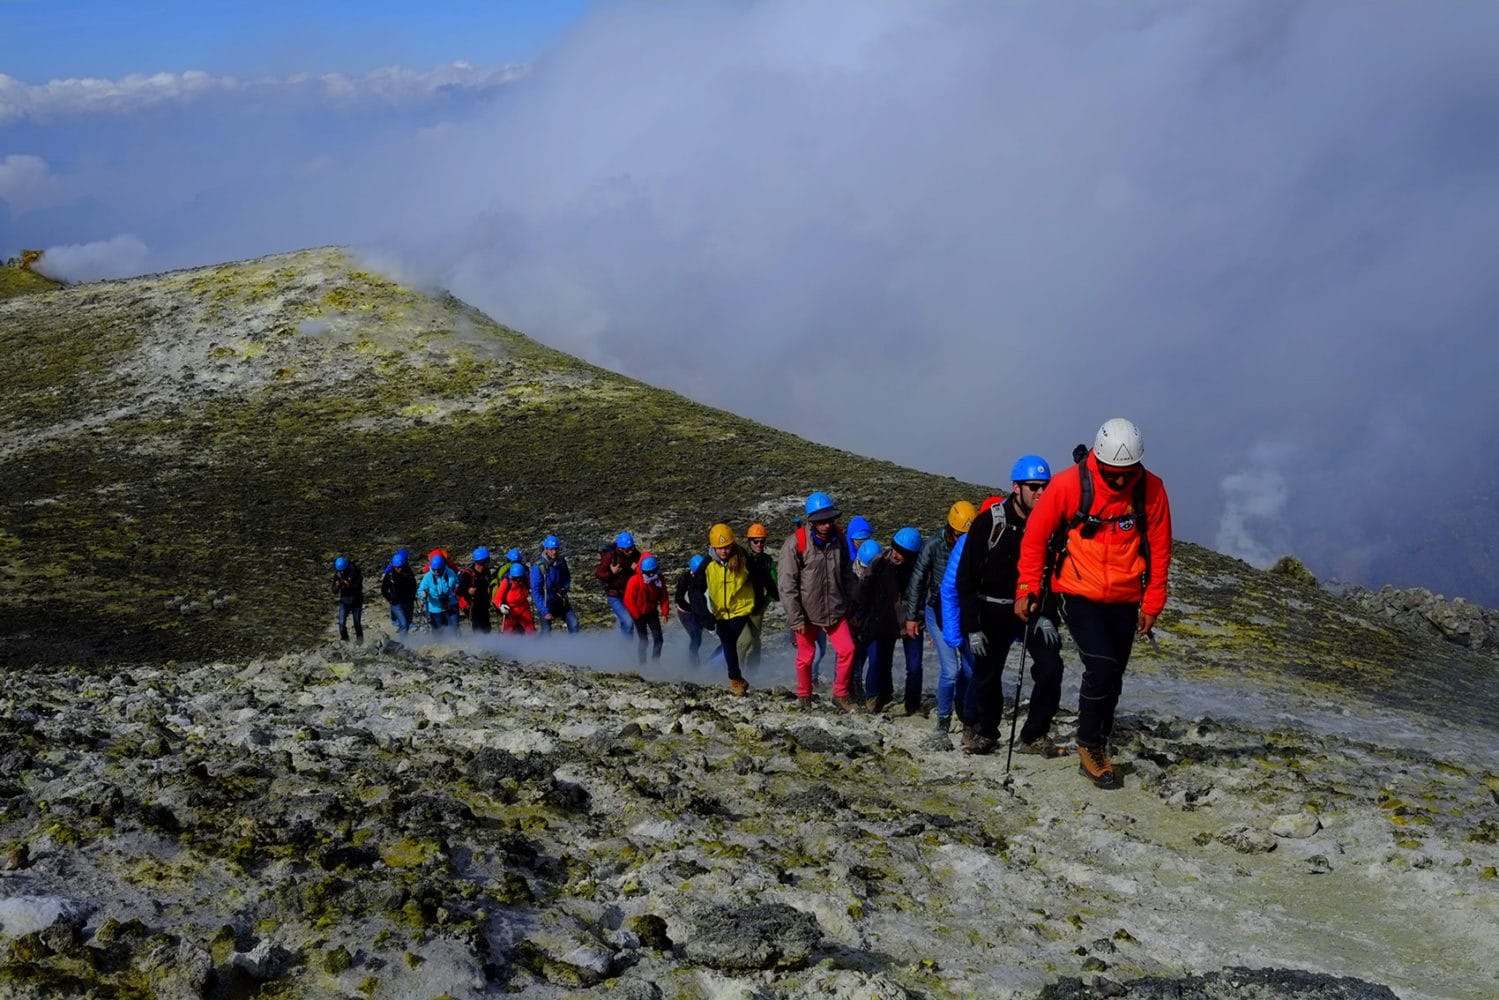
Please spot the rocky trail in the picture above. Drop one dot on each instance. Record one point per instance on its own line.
(443, 821)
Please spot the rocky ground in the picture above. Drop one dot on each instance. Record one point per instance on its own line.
(446, 821)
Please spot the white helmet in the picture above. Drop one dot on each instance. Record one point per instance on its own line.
(1119, 443)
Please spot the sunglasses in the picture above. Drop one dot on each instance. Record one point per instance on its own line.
(1035, 487)
(757, 541)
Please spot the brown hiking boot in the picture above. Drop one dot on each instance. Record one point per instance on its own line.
(975, 742)
(848, 703)
(1041, 746)
(1094, 764)
(738, 685)
(804, 703)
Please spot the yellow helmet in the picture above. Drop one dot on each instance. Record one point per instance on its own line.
(756, 530)
(720, 535)
(960, 516)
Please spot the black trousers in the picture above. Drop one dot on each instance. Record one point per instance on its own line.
(649, 622)
(1105, 635)
(986, 694)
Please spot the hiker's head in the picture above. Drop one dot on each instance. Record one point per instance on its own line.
(549, 546)
(905, 545)
(756, 536)
(859, 529)
(1119, 443)
(821, 513)
(1029, 476)
(1117, 477)
(960, 517)
(868, 552)
(340, 564)
(481, 555)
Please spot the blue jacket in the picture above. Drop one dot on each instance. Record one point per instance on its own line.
(551, 582)
(952, 630)
(440, 589)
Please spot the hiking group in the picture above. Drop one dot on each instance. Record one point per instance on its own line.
(1088, 549)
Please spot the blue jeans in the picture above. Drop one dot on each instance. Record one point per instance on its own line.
(400, 617)
(570, 618)
(347, 611)
(617, 605)
(878, 682)
(954, 668)
(442, 620)
(694, 630)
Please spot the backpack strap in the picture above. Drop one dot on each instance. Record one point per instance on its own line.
(1140, 526)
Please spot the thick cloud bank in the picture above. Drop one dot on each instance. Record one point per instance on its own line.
(944, 234)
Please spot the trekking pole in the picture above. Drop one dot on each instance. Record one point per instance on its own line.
(1020, 681)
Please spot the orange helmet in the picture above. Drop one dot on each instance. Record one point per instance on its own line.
(756, 530)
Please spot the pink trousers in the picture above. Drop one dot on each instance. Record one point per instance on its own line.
(842, 641)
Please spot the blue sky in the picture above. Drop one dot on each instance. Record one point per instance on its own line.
(1262, 229)
(42, 40)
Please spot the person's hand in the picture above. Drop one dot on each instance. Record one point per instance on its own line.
(547, 617)
(504, 609)
(1145, 623)
(978, 645)
(1048, 631)
(913, 629)
(1025, 607)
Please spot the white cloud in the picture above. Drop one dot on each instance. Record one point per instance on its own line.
(26, 182)
(119, 257)
(89, 96)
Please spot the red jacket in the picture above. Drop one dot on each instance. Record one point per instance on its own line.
(516, 595)
(1108, 566)
(641, 596)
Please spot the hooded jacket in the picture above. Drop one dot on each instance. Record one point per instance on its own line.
(816, 584)
(1106, 564)
(882, 602)
(644, 594)
(731, 594)
(440, 589)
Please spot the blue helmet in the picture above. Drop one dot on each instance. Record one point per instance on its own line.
(694, 564)
(517, 571)
(481, 554)
(1031, 469)
(820, 507)
(399, 559)
(551, 542)
(340, 564)
(869, 551)
(438, 562)
(908, 540)
(859, 528)
(624, 540)
(648, 564)
(513, 555)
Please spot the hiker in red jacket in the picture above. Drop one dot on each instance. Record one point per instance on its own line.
(647, 603)
(1113, 521)
(512, 599)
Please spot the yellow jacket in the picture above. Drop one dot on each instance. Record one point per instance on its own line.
(730, 594)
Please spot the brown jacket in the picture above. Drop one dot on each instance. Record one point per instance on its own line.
(816, 585)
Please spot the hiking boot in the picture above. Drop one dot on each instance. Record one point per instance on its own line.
(847, 703)
(975, 742)
(804, 703)
(1041, 746)
(739, 686)
(944, 723)
(876, 705)
(1093, 763)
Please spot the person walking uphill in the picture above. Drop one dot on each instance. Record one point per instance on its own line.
(985, 582)
(731, 595)
(882, 611)
(646, 602)
(439, 589)
(474, 588)
(551, 587)
(1107, 521)
(692, 606)
(617, 564)
(924, 607)
(348, 587)
(398, 587)
(815, 578)
(762, 567)
(512, 599)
